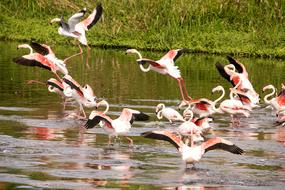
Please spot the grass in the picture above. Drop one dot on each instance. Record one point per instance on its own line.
(244, 27)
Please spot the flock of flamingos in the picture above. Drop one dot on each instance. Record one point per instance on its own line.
(189, 137)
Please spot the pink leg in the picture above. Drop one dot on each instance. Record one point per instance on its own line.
(88, 55)
(81, 51)
(130, 141)
(183, 90)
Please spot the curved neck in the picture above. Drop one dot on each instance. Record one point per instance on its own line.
(221, 97)
(138, 53)
(159, 114)
(269, 95)
(145, 69)
(105, 103)
(188, 110)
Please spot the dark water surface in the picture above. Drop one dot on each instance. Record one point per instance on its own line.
(39, 149)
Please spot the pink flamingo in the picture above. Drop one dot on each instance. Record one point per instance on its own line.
(119, 126)
(193, 154)
(167, 112)
(278, 102)
(76, 29)
(236, 74)
(36, 60)
(165, 66)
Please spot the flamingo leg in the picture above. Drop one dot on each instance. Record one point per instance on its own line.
(130, 141)
(88, 55)
(57, 76)
(81, 51)
(183, 90)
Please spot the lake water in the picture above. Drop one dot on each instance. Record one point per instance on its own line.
(40, 149)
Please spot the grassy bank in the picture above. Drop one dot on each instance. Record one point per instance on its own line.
(245, 27)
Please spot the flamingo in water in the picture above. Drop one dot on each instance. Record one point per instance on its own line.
(115, 127)
(167, 112)
(165, 66)
(36, 59)
(47, 52)
(84, 96)
(76, 29)
(278, 103)
(193, 154)
(236, 74)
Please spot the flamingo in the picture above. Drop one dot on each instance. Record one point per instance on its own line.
(165, 66)
(46, 51)
(231, 106)
(84, 96)
(236, 74)
(188, 128)
(278, 103)
(167, 112)
(36, 59)
(193, 154)
(203, 122)
(76, 29)
(119, 126)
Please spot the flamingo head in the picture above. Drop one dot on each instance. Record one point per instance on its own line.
(270, 86)
(23, 46)
(102, 103)
(218, 88)
(55, 20)
(159, 107)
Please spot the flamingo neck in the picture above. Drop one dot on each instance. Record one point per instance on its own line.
(159, 113)
(220, 98)
(145, 69)
(138, 53)
(269, 95)
(105, 103)
(186, 111)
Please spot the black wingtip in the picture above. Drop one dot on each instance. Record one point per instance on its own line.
(231, 59)
(88, 124)
(237, 150)
(141, 117)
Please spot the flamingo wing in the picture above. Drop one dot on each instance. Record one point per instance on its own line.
(166, 136)
(93, 18)
(73, 85)
(55, 83)
(174, 54)
(131, 115)
(151, 62)
(281, 97)
(75, 19)
(92, 122)
(222, 72)
(43, 50)
(30, 61)
(220, 143)
(239, 66)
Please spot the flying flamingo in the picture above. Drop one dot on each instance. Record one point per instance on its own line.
(46, 51)
(236, 74)
(76, 29)
(278, 103)
(36, 59)
(167, 112)
(119, 126)
(84, 96)
(165, 66)
(193, 154)
(231, 106)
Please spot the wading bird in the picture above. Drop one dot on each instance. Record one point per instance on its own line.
(231, 106)
(165, 66)
(76, 29)
(36, 59)
(167, 112)
(278, 102)
(46, 51)
(115, 127)
(84, 96)
(193, 154)
(236, 73)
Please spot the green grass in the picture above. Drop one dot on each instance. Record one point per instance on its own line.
(244, 27)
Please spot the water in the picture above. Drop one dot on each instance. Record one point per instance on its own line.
(39, 149)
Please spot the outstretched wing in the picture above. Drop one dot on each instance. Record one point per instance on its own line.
(164, 135)
(222, 72)
(75, 19)
(95, 117)
(73, 85)
(93, 18)
(220, 143)
(174, 54)
(239, 66)
(131, 115)
(39, 48)
(30, 61)
(151, 62)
